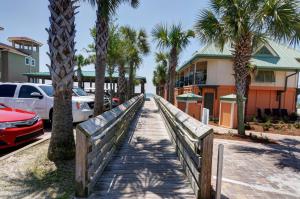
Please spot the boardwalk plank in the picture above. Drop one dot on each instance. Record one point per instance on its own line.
(146, 165)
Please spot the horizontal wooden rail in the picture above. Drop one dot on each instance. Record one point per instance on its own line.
(194, 146)
(97, 140)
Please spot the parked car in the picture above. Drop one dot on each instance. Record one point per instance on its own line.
(18, 126)
(81, 93)
(38, 98)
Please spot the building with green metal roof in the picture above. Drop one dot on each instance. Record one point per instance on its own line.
(274, 82)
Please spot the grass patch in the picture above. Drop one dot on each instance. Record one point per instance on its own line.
(30, 174)
(248, 138)
(55, 179)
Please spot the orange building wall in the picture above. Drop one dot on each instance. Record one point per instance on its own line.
(259, 97)
(181, 106)
(195, 110)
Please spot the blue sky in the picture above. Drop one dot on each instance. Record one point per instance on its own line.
(31, 17)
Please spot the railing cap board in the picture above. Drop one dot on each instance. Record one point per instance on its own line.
(96, 125)
(196, 128)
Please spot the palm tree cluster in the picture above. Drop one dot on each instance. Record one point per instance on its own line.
(125, 51)
(173, 39)
(246, 25)
(160, 73)
(62, 54)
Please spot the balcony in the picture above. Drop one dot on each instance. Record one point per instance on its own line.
(199, 78)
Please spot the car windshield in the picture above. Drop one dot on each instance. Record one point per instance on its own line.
(1, 106)
(48, 90)
(79, 92)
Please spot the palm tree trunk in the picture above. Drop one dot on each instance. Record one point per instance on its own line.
(247, 95)
(79, 77)
(131, 83)
(241, 59)
(62, 52)
(101, 55)
(172, 74)
(122, 84)
(111, 90)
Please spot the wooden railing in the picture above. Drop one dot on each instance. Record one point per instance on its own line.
(97, 140)
(194, 146)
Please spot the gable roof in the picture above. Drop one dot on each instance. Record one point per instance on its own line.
(11, 49)
(24, 40)
(284, 57)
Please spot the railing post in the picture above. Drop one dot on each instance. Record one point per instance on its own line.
(206, 165)
(81, 164)
(205, 116)
(219, 171)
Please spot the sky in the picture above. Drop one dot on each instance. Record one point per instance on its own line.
(30, 18)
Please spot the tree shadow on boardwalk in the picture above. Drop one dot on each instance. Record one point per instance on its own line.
(283, 153)
(144, 167)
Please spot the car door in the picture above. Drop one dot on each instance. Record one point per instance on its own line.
(32, 103)
(7, 93)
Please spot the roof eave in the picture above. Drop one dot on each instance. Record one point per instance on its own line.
(198, 56)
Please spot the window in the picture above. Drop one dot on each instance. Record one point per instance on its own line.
(7, 90)
(27, 61)
(79, 92)
(48, 90)
(265, 76)
(32, 62)
(25, 91)
(264, 51)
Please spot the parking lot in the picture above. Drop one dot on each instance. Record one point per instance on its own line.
(253, 170)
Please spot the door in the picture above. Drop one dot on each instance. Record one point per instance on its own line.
(209, 102)
(26, 100)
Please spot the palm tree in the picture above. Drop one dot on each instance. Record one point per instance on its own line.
(245, 25)
(80, 62)
(137, 46)
(105, 9)
(113, 53)
(61, 52)
(160, 73)
(175, 40)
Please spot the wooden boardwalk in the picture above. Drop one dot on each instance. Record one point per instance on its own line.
(146, 165)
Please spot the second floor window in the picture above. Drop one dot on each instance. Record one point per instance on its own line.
(265, 76)
(27, 61)
(32, 62)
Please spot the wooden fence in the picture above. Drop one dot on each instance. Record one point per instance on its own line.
(194, 146)
(97, 140)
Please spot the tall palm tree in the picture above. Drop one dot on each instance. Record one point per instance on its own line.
(175, 40)
(113, 53)
(81, 61)
(105, 9)
(137, 47)
(161, 70)
(61, 52)
(246, 24)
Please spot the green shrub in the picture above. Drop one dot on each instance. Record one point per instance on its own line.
(297, 125)
(267, 125)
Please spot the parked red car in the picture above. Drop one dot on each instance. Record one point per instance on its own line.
(18, 126)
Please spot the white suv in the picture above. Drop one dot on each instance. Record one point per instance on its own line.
(38, 98)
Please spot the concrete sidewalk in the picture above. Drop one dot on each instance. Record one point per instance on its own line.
(259, 171)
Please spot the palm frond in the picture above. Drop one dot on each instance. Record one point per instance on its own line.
(210, 29)
(160, 35)
(279, 18)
